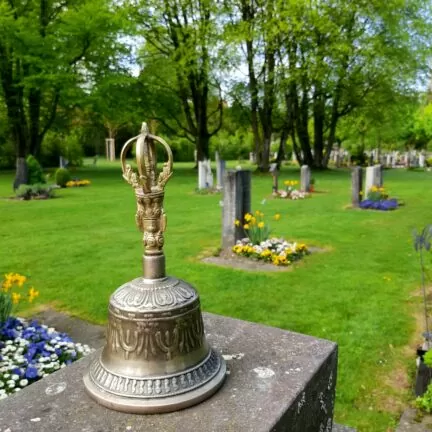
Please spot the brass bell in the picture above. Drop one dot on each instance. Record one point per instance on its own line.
(156, 358)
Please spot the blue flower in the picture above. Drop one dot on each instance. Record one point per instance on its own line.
(31, 372)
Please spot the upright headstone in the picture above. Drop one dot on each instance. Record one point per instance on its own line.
(374, 177)
(236, 203)
(195, 156)
(389, 161)
(356, 186)
(305, 178)
(220, 173)
(422, 160)
(202, 174)
(209, 174)
(110, 149)
(275, 174)
(252, 157)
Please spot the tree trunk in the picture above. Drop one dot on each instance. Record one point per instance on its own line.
(318, 114)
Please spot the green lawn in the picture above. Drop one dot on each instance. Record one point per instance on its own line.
(78, 248)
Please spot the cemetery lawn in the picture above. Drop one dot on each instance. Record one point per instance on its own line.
(362, 293)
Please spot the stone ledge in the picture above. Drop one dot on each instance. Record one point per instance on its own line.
(278, 381)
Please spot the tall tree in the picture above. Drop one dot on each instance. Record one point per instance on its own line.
(181, 35)
(47, 47)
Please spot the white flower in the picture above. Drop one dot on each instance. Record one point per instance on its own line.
(15, 377)
(17, 389)
(1, 386)
(6, 375)
(3, 396)
(11, 383)
(54, 356)
(8, 342)
(23, 382)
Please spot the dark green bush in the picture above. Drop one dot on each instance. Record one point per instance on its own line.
(358, 157)
(62, 176)
(35, 173)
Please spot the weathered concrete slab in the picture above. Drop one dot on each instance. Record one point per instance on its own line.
(411, 422)
(278, 381)
(341, 428)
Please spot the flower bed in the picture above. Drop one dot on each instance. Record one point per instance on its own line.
(276, 251)
(290, 192)
(258, 244)
(30, 351)
(78, 183)
(378, 199)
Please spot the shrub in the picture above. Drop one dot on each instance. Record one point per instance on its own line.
(358, 157)
(429, 162)
(425, 402)
(62, 177)
(37, 190)
(35, 173)
(24, 191)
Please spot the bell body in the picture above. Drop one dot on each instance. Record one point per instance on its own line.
(156, 358)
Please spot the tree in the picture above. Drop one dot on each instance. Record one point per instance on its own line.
(181, 37)
(46, 48)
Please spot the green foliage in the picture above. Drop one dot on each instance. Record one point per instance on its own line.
(35, 172)
(5, 306)
(183, 149)
(358, 157)
(232, 146)
(425, 402)
(62, 176)
(429, 162)
(38, 190)
(427, 358)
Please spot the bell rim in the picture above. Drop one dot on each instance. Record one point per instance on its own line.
(160, 404)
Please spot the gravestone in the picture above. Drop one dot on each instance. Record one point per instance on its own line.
(305, 178)
(205, 175)
(252, 157)
(422, 160)
(275, 175)
(220, 173)
(356, 186)
(236, 203)
(373, 177)
(63, 163)
(110, 149)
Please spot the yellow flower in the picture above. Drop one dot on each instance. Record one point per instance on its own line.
(253, 220)
(360, 193)
(261, 214)
(257, 213)
(246, 226)
(277, 216)
(287, 182)
(32, 294)
(16, 298)
(248, 217)
(237, 222)
(261, 225)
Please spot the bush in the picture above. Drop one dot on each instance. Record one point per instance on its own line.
(358, 157)
(429, 162)
(38, 190)
(62, 176)
(35, 173)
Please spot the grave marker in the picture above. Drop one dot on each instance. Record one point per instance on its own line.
(356, 186)
(236, 203)
(305, 178)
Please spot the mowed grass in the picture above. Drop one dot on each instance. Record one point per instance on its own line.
(77, 249)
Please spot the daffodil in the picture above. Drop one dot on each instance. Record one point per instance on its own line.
(277, 216)
(16, 298)
(237, 222)
(248, 217)
(246, 226)
(261, 224)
